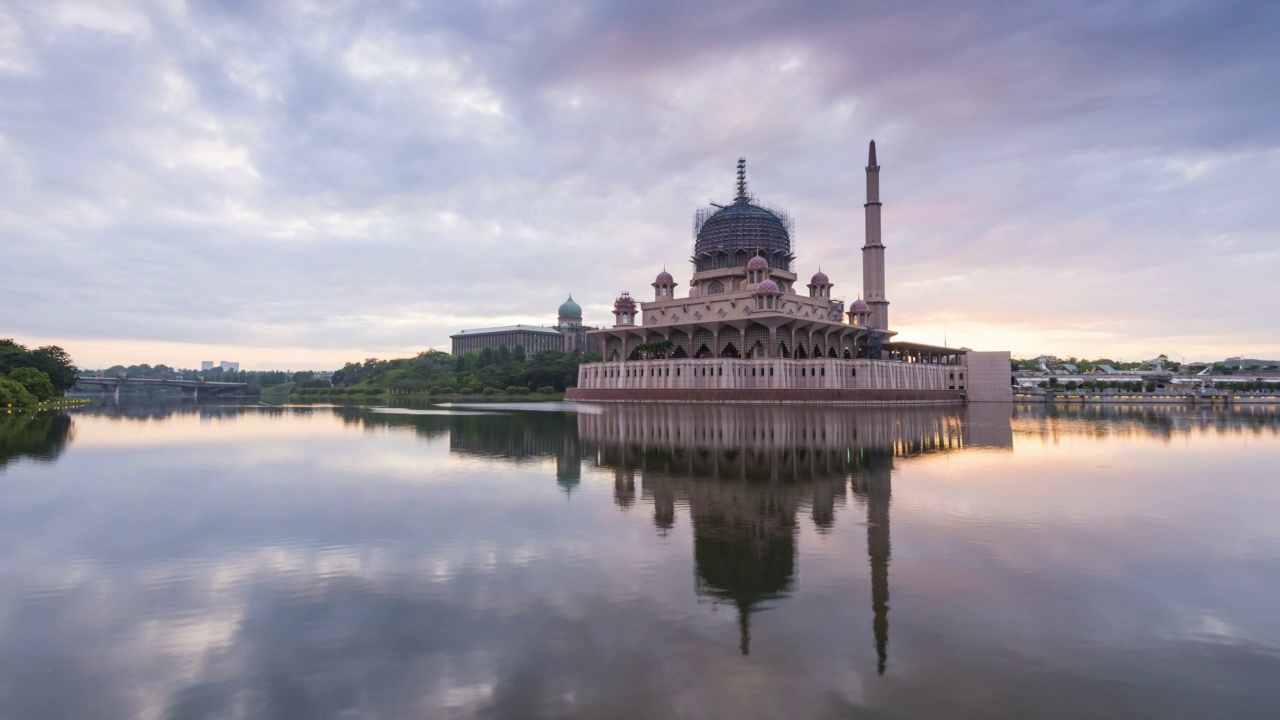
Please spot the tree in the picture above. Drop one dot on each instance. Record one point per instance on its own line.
(50, 359)
(35, 381)
(12, 355)
(57, 364)
(15, 394)
(517, 353)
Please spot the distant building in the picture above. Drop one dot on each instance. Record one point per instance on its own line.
(568, 335)
(228, 366)
(206, 364)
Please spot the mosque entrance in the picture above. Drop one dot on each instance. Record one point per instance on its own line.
(782, 350)
(703, 352)
(730, 352)
(756, 351)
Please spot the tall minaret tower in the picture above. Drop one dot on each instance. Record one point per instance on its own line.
(873, 250)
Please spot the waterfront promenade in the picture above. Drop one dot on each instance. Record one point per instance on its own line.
(1193, 396)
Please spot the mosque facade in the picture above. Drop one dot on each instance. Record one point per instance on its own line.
(748, 331)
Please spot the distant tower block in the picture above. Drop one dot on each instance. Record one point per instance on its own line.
(873, 249)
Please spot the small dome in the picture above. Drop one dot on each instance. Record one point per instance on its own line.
(570, 309)
(624, 303)
(664, 277)
(820, 278)
(768, 286)
(859, 306)
(757, 263)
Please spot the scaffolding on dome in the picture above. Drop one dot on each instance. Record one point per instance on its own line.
(729, 235)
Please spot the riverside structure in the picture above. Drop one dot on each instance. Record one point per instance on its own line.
(744, 334)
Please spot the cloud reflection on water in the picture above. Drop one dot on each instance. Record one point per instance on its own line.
(612, 565)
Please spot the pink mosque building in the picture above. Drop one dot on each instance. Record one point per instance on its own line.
(745, 331)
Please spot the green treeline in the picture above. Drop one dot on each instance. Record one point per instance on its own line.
(480, 371)
(31, 377)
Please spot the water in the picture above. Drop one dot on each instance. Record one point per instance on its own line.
(639, 562)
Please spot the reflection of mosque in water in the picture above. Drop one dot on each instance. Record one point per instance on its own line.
(745, 473)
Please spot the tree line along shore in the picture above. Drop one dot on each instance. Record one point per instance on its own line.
(35, 379)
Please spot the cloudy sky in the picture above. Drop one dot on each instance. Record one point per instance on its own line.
(298, 184)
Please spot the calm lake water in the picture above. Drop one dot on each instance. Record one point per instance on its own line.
(547, 561)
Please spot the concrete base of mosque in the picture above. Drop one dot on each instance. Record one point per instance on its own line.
(779, 397)
(972, 377)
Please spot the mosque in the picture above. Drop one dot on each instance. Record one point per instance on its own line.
(745, 333)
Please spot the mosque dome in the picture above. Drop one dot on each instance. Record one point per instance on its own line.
(768, 286)
(570, 309)
(730, 235)
(859, 306)
(664, 277)
(757, 263)
(820, 278)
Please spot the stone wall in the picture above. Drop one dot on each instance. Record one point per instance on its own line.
(780, 396)
(989, 377)
(769, 374)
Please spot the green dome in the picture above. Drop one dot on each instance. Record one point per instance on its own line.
(570, 309)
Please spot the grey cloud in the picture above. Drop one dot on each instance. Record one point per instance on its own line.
(276, 170)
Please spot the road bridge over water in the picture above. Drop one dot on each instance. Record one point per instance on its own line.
(190, 388)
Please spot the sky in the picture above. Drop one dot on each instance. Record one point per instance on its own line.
(302, 184)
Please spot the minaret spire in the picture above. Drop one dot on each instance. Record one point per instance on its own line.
(742, 179)
(873, 286)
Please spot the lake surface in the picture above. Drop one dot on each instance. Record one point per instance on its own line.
(547, 561)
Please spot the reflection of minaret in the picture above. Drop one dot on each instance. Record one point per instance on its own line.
(874, 484)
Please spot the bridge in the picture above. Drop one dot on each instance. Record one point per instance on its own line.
(190, 388)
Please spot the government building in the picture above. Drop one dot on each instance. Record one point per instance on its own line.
(747, 331)
(568, 335)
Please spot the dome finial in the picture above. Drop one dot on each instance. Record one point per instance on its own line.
(742, 179)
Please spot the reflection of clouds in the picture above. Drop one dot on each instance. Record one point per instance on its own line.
(313, 589)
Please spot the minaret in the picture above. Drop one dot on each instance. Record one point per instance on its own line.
(873, 250)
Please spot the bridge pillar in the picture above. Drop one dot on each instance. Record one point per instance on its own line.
(191, 393)
(113, 391)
